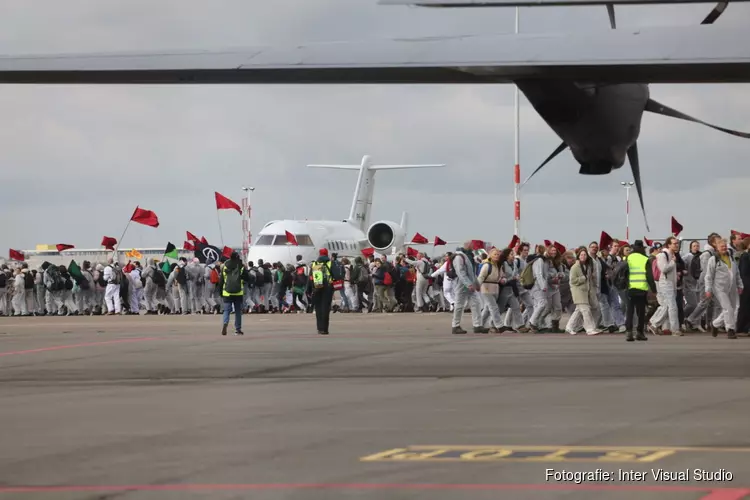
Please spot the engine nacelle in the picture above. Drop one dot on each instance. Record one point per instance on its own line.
(383, 235)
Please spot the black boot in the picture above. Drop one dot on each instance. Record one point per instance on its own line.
(641, 336)
(630, 337)
(457, 330)
(731, 334)
(224, 329)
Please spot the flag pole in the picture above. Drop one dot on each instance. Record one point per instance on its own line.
(117, 245)
(221, 233)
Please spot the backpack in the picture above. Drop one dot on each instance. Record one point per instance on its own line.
(181, 276)
(621, 277)
(68, 283)
(259, 276)
(159, 279)
(300, 280)
(214, 278)
(354, 274)
(286, 279)
(650, 274)
(101, 281)
(267, 276)
(450, 271)
(233, 280)
(83, 283)
(527, 275)
(387, 278)
(655, 271)
(3, 280)
(116, 276)
(28, 281)
(337, 271)
(695, 266)
(58, 283)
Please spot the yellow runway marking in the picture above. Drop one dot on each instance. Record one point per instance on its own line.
(505, 453)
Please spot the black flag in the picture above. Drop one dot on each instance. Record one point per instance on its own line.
(207, 254)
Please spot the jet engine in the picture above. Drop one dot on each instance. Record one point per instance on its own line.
(384, 234)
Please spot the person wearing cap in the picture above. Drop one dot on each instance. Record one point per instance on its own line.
(322, 290)
(637, 291)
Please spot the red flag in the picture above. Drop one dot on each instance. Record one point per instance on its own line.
(648, 242)
(410, 252)
(605, 240)
(224, 203)
(16, 255)
(741, 235)
(477, 244)
(547, 243)
(514, 241)
(290, 238)
(63, 246)
(676, 227)
(188, 246)
(438, 242)
(145, 217)
(560, 247)
(204, 240)
(191, 236)
(367, 252)
(109, 243)
(418, 239)
(227, 252)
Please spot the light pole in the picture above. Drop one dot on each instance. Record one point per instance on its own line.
(246, 234)
(627, 186)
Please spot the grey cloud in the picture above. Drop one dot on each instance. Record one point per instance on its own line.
(169, 148)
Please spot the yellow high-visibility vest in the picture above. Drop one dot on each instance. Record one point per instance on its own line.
(321, 276)
(637, 272)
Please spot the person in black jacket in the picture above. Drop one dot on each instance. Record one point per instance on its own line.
(743, 317)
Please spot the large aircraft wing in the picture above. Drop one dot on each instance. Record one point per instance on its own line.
(694, 54)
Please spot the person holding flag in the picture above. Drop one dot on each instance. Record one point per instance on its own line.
(232, 285)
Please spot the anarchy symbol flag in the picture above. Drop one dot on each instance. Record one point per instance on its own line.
(207, 254)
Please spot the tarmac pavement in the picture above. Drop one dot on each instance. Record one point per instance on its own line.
(387, 406)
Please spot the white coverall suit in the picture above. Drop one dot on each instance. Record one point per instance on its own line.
(723, 283)
(465, 277)
(666, 293)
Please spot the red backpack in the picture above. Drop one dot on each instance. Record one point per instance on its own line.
(655, 271)
(387, 279)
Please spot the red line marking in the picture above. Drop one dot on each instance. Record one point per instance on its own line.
(714, 493)
(88, 344)
(727, 494)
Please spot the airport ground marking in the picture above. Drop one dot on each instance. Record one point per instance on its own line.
(71, 346)
(712, 493)
(517, 453)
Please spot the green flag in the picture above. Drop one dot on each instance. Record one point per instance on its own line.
(171, 252)
(75, 270)
(166, 267)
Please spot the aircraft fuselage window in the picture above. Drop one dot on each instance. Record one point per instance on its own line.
(265, 240)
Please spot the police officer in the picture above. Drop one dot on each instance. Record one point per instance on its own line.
(232, 281)
(322, 289)
(637, 290)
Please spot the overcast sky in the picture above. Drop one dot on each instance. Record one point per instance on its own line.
(76, 160)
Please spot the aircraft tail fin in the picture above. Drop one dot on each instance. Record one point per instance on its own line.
(363, 192)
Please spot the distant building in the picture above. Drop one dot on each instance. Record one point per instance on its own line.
(35, 258)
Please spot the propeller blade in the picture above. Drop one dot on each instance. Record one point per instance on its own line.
(660, 109)
(611, 12)
(556, 152)
(636, 168)
(716, 12)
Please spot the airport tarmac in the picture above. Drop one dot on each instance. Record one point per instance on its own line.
(387, 406)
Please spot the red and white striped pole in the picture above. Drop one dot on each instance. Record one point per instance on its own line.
(517, 168)
(627, 186)
(246, 234)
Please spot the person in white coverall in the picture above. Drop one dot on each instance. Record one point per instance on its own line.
(112, 277)
(707, 305)
(466, 288)
(136, 289)
(666, 289)
(723, 283)
(424, 273)
(540, 289)
(448, 295)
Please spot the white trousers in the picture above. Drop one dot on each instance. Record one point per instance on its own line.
(464, 296)
(112, 298)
